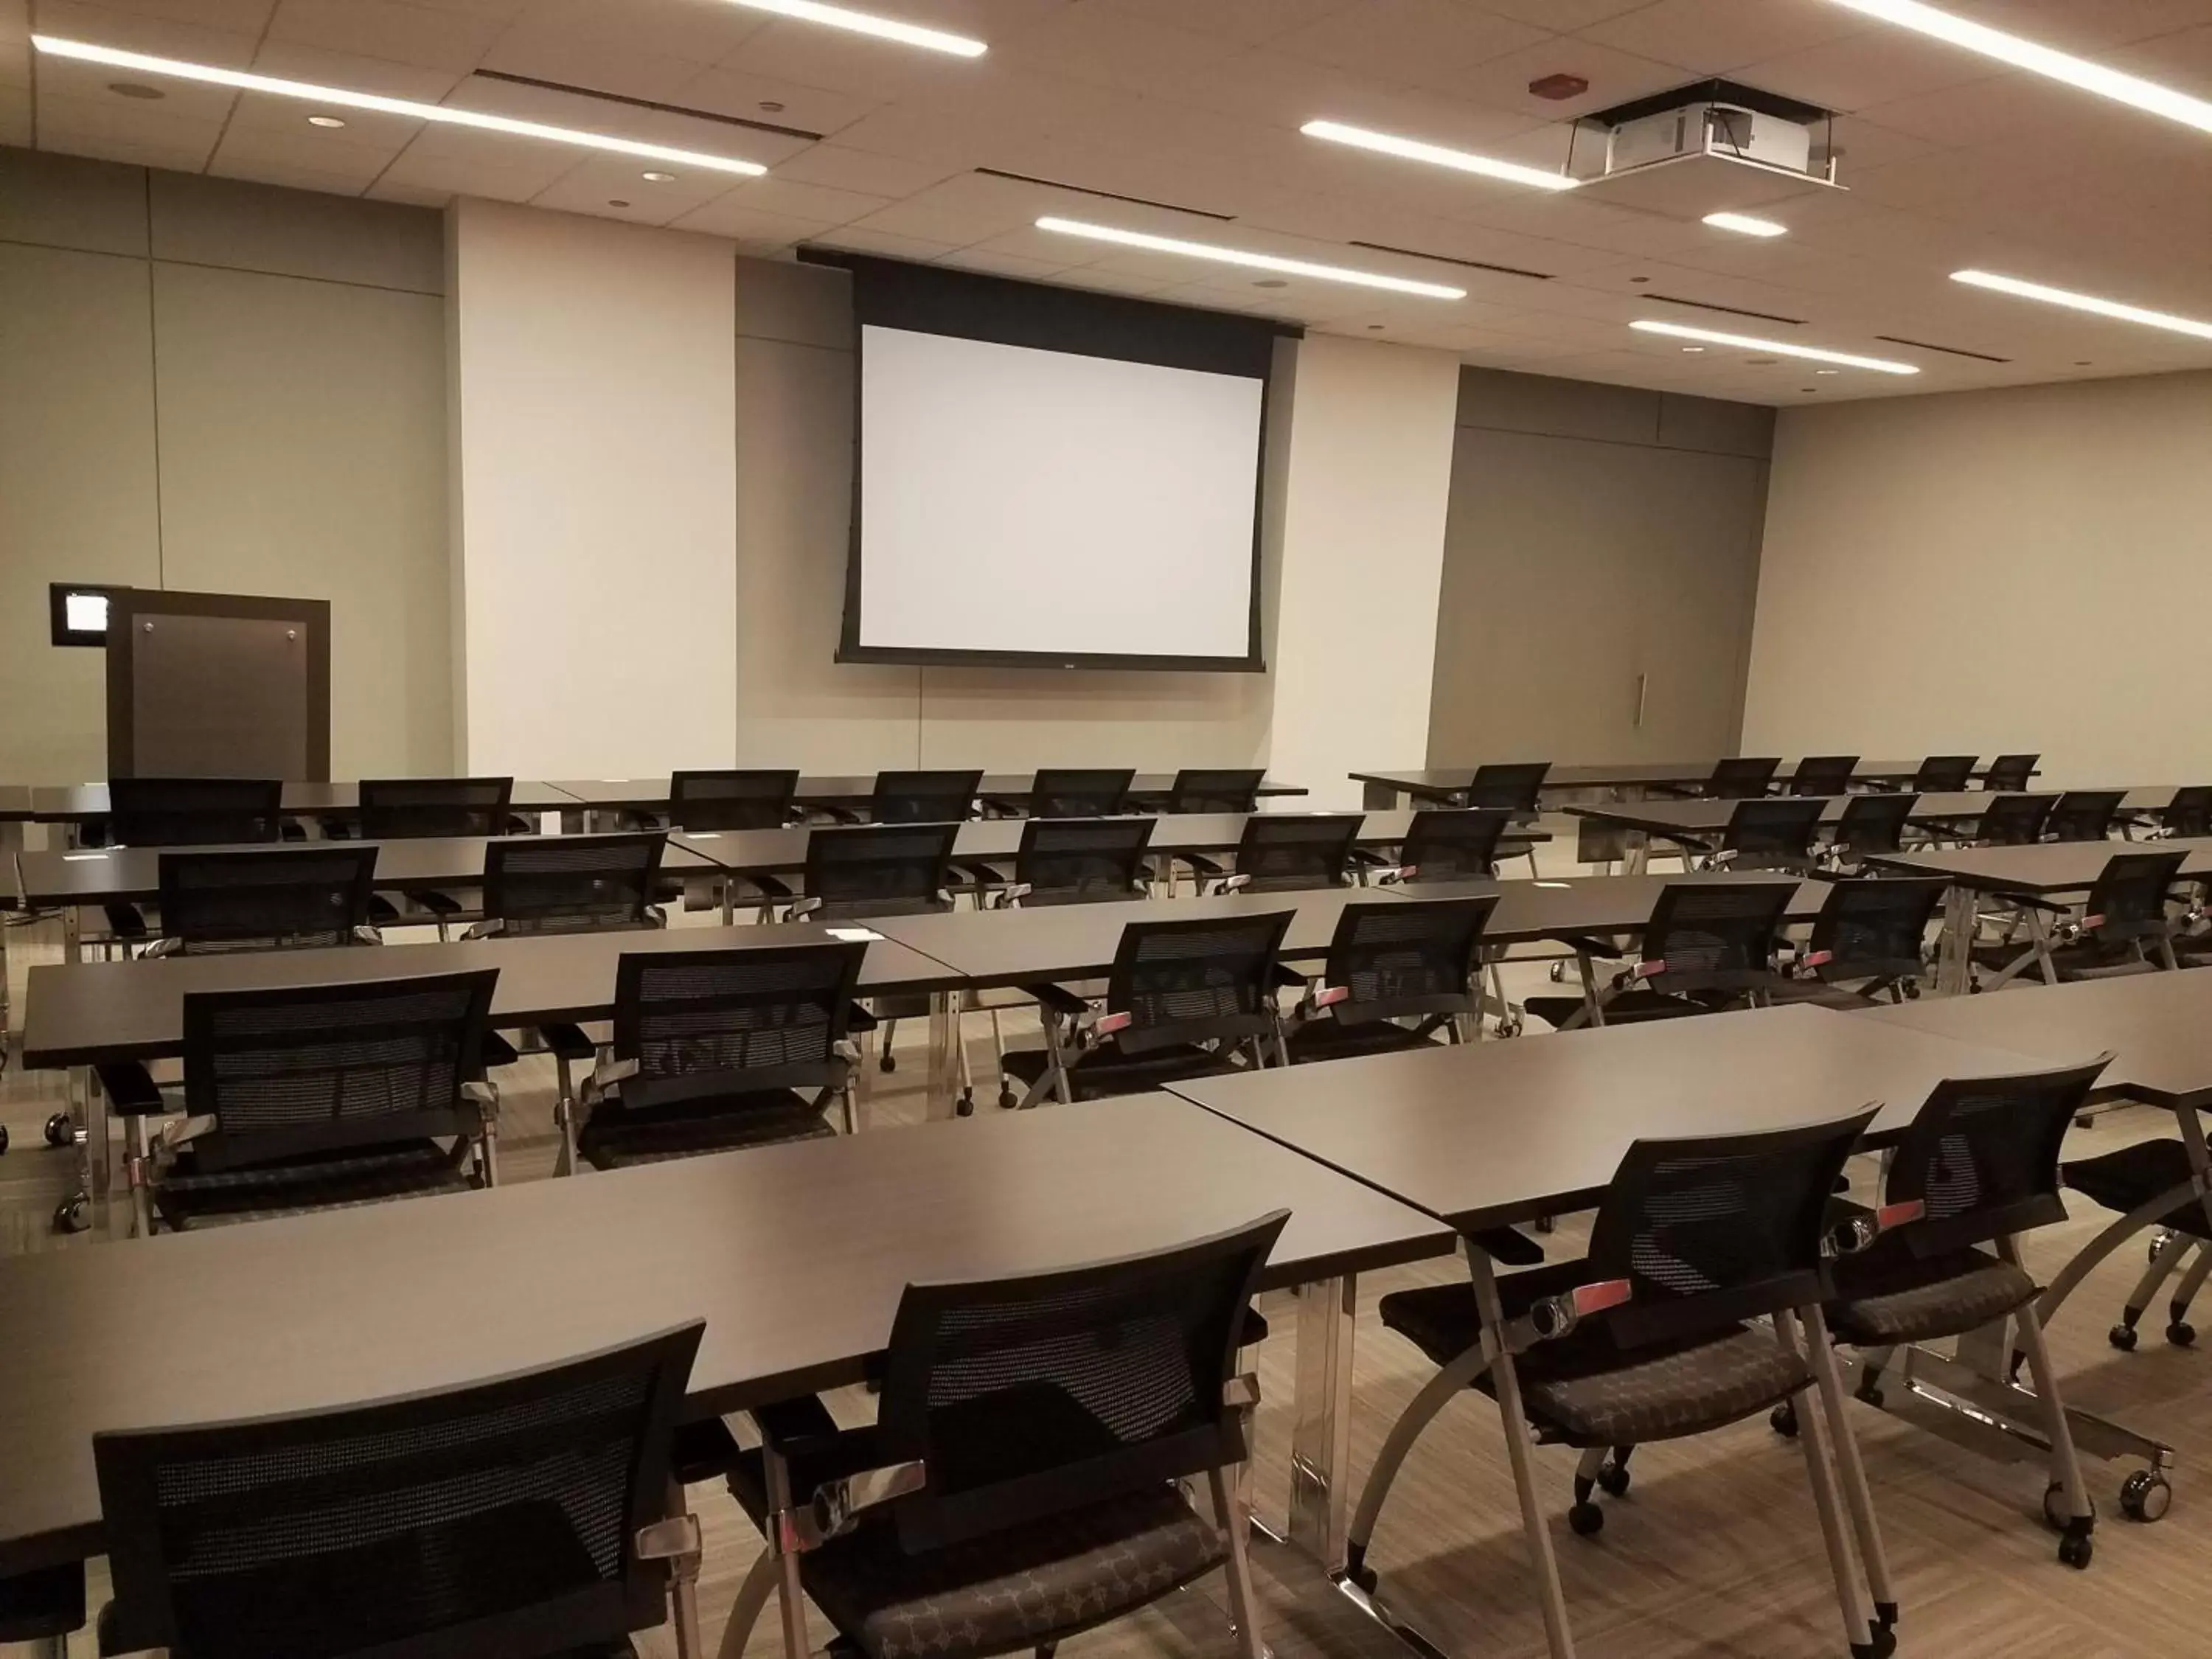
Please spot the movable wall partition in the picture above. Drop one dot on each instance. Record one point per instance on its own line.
(218, 685)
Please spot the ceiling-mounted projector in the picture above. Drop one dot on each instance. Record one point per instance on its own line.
(1704, 148)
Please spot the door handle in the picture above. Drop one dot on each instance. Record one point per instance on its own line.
(1643, 689)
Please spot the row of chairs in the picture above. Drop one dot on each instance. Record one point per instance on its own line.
(1748, 777)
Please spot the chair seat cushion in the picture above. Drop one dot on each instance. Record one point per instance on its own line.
(2132, 1176)
(1889, 1296)
(1331, 1039)
(617, 1136)
(1038, 1582)
(187, 1196)
(1107, 1070)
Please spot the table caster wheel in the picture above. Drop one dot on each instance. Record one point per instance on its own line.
(2146, 1495)
(1008, 1100)
(1613, 1479)
(2181, 1333)
(60, 1132)
(74, 1213)
(965, 1106)
(2075, 1552)
(1559, 972)
(1869, 1393)
(887, 1061)
(2055, 1514)
(1782, 1420)
(1509, 1027)
(2122, 1337)
(1587, 1520)
(3, 1137)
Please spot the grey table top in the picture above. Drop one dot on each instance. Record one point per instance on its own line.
(1621, 774)
(847, 790)
(1593, 905)
(1497, 1133)
(1706, 818)
(2064, 867)
(78, 803)
(794, 1256)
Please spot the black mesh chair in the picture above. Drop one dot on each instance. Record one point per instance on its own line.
(2188, 814)
(526, 1516)
(1285, 852)
(1776, 833)
(1080, 792)
(2015, 820)
(1398, 975)
(2084, 815)
(2152, 1183)
(887, 870)
(1200, 789)
(1652, 1337)
(1978, 1167)
(1944, 774)
(321, 1097)
(194, 811)
(1824, 775)
(572, 883)
(1709, 945)
(2125, 926)
(719, 800)
(266, 898)
(1192, 998)
(1512, 785)
(1871, 825)
(715, 1050)
(924, 797)
(1078, 862)
(1741, 778)
(1020, 1484)
(1869, 941)
(1452, 844)
(2011, 773)
(405, 809)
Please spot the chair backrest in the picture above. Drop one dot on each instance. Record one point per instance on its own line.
(1515, 786)
(1203, 789)
(1983, 1155)
(193, 812)
(1199, 979)
(1282, 852)
(1874, 823)
(1024, 1398)
(1715, 935)
(1399, 960)
(2189, 812)
(318, 1068)
(267, 898)
(1741, 778)
(1824, 775)
(701, 1022)
(2131, 895)
(1071, 792)
(886, 871)
(1453, 843)
(2015, 820)
(499, 1517)
(1774, 827)
(1944, 774)
(924, 797)
(2084, 814)
(1875, 930)
(2012, 772)
(571, 883)
(402, 809)
(730, 799)
(1073, 861)
(1715, 1229)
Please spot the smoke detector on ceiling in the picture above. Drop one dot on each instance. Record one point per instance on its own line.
(1711, 146)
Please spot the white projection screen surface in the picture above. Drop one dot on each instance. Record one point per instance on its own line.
(1048, 503)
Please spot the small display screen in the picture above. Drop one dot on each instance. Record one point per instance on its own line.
(80, 613)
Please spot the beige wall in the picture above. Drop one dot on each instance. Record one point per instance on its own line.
(1994, 570)
(229, 387)
(1600, 563)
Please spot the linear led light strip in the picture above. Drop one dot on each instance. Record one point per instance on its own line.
(2130, 90)
(1413, 149)
(342, 97)
(1235, 256)
(2088, 302)
(861, 22)
(1780, 348)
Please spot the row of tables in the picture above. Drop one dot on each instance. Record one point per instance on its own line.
(1440, 785)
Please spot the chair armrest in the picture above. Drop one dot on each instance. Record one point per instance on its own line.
(130, 1089)
(1550, 1317)
(1859, 1229)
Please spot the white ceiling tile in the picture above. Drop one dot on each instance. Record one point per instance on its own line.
(232, 16)
(1118, 50)
(293, 60)
(854, 239)
(1712, 37)
(1420, 42)
(1249, 22)
(86, 88)
(249, 151)
(725, 215)
(870, 172)
(2086, 26)
(148, 135)
(389, 29)
(157, 34)
(780, 194)
(265, 170)
(16, 126)
(1614, 77)
(1861, 70)
(734, 92)
(1565, 16)
(995, 264)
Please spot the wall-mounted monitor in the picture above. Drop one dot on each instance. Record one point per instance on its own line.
(80, 612)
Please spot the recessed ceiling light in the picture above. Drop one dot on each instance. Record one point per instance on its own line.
(135, 89)
(1693, 350)
(1235, 256)
(2036, 59)
(862, 22)
(2089, 303)
(1271, 282)
(1373, 327)
(1413, 149)
(345, 99)
(1827, 371)
(771, 107)
(327, 120)
(1744, 225)
(658, 178)
(1879, 365)
(613, 202)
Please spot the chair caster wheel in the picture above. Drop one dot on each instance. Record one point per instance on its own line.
(1782, 1420)
(1545, 1223)
(2055, 1514)
(2122, 1337)
(965, 1106)
(4, 1138)
(1587, 1520)
(1559, 972)
(1883, 1644)
(1868, 1393)
(1357, 1570)
(2146, 1496)
(2181, 1333)
(1509, 1028)
(1613, 1480)
(887, 1062)
(60, 1132)
(74, 1213)
(1008, 1100)
(2075, 1552)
